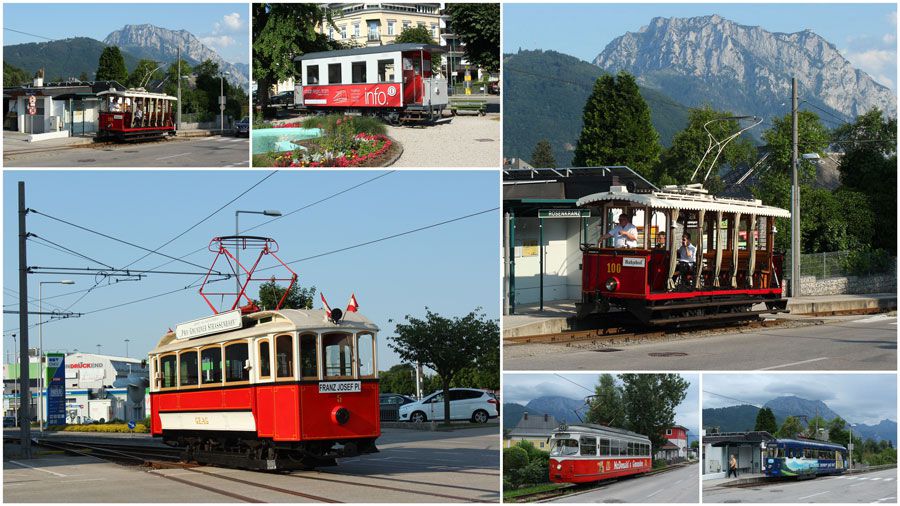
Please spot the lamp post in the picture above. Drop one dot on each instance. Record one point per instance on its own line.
(41, 345)
(850, 445)
(126, 347)
(222, 100)
(237, 232)
(16, 382)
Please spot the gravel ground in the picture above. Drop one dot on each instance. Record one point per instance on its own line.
(464, 141)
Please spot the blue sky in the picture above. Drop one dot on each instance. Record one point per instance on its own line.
(223, 27)
(858, 398)
(452, 269)
(866, 34)
(521, 388)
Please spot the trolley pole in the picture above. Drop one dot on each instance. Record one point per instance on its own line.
(24, 387)
(795, 197)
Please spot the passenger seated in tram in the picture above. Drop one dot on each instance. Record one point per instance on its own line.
(624, 234)
(687, 258)
(660, 241)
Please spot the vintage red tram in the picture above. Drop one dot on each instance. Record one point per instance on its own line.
(734, 265)
(134, 114)
(586, 453)
(394, 81)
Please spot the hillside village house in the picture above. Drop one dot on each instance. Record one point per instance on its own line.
(534, 428)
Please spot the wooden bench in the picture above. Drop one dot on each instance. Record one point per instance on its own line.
(474, 105)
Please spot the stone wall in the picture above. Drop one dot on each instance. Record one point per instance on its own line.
(879, 283)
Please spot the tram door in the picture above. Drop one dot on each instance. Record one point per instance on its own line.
(413, 88)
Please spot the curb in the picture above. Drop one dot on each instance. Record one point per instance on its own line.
(394, 160)
(7, 153)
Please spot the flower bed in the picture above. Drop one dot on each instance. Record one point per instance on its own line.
(364, 149)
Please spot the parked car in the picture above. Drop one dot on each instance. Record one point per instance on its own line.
(9, 421)
(471, 404)
(285, 98)
(494, 88)
(242, 127)
(394, 399)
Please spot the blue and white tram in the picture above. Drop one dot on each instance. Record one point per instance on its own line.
(803, 458)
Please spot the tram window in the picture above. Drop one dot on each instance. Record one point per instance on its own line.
(265, 362)
(604, 447)
(563, 447)
(631, 449)
(188, 369)
(211, 365)
(338, 355)
(284, 356)
(365, 351)
(312, 74)
(386, 71)
(334, 73)
(236, 356)
(358, 72)
(309, 365)
(167, 364)
(588, 445)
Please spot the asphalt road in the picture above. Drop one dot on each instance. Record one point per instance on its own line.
(678, 486)
(213, 151)
(840, 344)
(879, 486)
(412, 466)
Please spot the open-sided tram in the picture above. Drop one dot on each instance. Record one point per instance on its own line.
(734, 265)
(587, 452)
(135, 114)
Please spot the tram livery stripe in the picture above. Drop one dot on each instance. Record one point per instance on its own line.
(209, 489)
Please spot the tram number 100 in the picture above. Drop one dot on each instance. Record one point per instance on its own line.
(613, 268)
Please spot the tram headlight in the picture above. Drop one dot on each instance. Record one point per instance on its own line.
(558, 467)
(611, 284)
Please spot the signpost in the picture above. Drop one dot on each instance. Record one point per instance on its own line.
(56, 389)
(131, 427)
(32, 110)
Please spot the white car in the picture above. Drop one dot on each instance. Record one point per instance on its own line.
(465, 404)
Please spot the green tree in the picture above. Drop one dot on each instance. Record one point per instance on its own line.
(814, 424)
(616, 128)
(420, 35)
(765, 421)
(837, 433)
(446, 345)
(111, 66)
(282, 31)
(145, 72)
(399, 379)
(515, 458)
(298, 298)
(791, 428)
(542, 156)
(478, 26)
(14, 76)
(678, 163)
(869, 165)
(606, 407)
(650, 401)
(83, 77)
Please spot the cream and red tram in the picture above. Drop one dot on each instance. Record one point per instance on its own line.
(135, 114)
(585, 453)
(735, 267)
(277, 390)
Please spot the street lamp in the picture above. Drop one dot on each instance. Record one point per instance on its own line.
(237, 232)
(850, 445)
(795, 226)
(222, 100)
(41, 370)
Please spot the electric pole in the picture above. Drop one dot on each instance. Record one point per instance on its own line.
(795, 197)
(24, 387)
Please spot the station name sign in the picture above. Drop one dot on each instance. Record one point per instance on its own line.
(209, 325)
(564, 213)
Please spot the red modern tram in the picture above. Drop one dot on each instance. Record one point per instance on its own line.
(586, 453)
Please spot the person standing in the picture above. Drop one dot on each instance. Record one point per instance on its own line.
(624, 234)
(732, 467)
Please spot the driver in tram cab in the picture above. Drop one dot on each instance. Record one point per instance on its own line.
(687, 257)
(624, 234)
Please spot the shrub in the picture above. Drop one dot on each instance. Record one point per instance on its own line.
(102, 427)
(514, 458)
(534, 473)
(868, 261)
(659, 463)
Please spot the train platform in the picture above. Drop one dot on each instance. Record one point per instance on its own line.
(742, 479)
(530, 320)
(15, 143)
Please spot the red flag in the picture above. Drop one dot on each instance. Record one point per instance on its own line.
(352, 306)
(327, 307)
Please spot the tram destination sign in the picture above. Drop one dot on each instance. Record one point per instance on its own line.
(210, 325)
(564, 213)
(339, 387)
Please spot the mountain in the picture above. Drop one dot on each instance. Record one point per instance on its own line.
(544, 93)
(731, 419)
(160, 44)
(562, 408)
(791, 405)
(64, 58)
(512, 413)
(886, 430)
(744, 69)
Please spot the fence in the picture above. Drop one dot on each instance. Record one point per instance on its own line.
(390, 413)
(838, 264)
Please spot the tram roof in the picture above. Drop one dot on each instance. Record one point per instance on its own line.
(132, 92)
(285, 320)
(387, 48)
(598, 429)
(683, 198)
(809, 443)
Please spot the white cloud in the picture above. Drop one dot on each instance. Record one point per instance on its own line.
(892, 18)
(217, 41)
(230, 23)
(889, 38)
(878, 63)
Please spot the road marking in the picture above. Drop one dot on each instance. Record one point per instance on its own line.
(862, 478)
(173, 156)
(873, 479)
(793, 363)
(37, 468)
(888, 479)
(654, 493)
(86, 479)
(885, 499)
(812, 495)
(872, 319)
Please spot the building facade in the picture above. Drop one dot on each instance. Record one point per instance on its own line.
(60, 109)
(533, 428)
(677, 446)
(377, 24)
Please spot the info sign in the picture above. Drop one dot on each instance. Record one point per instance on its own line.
(56, 389)
(209, 325)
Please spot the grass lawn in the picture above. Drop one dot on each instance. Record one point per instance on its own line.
(534, 489)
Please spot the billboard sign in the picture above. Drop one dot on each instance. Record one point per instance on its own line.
(56, 389)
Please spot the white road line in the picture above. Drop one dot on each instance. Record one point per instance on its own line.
(86, 479)
(857, 484)
(863, 478)
(871, 319)
(812, 495)
(885, 499)
(888, 479)
(654, 493)
(793, 363)
(874, 479)
(173, 156)
(37, 469)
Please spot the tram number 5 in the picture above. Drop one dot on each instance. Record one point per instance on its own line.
(201, 420)
(613, 268)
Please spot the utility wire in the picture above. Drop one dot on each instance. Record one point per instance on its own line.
(26, 33)
(73, 252)
(742, 401)
(576, 384)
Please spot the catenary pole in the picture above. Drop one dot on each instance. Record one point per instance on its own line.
(795, 197)
(24, 387)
